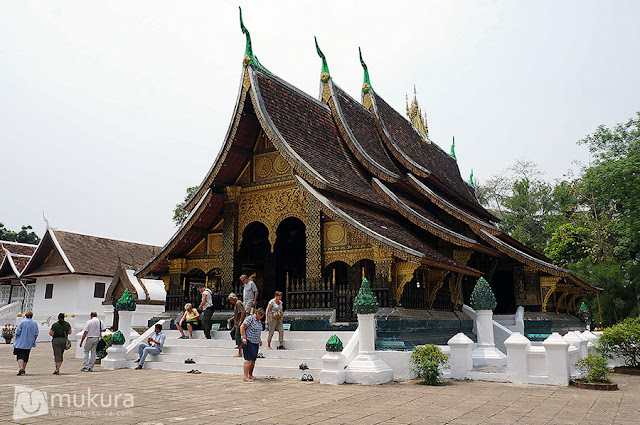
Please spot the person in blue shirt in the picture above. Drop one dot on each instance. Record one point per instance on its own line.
(26, 335)
(153, 346)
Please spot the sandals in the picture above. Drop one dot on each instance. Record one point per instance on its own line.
(281, 348)
(184, 337)
(260, 356)
(190, 361)
(307, 378)
(303, 366)
(194, 371)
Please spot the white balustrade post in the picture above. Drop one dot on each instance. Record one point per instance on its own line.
(557, 351)
(517, 367)
(367, 368)
(486, 352)
(461, 359)
(124, 325)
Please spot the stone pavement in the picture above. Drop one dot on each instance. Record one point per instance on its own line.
(162, 397)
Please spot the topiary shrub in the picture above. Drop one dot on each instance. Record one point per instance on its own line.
(117, 338)
(622, 340)
(126, 302)
(594, 366)
(426, 362)
(482, 297)
(334, 344)
(365, 302)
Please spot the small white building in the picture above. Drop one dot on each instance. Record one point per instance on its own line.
(14, 257)
(71, 273)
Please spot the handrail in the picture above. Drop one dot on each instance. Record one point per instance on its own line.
(9, 312)
(350, 351)
(132, 348)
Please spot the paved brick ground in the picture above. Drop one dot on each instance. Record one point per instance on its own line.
(174, 397)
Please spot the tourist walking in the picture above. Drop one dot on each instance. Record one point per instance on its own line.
(251, 329)
(26, 335)
(59, 332)
(249, 294)
(206, 307)
(154, 346)
(189, 320)
(274, 319)
(238, 318)
(92, 331)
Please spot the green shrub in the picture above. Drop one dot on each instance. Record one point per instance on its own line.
(426, 361)
(594, 366)
(622, 340)
(107, 341)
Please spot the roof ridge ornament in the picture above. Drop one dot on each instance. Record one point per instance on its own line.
(453, 148)
(366, 85)
(248, 51)
(325, 75)
(471, 183)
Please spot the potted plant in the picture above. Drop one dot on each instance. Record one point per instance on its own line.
(596, 373)
(8, 332)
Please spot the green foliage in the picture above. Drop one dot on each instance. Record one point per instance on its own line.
(126, 302)
(334, 344)
(26, 235)
(622, 340)
(365, 302)
(426, 362)
(179, 213)
(482, 297)
(117, 338)
(107, 341)
(594, 366)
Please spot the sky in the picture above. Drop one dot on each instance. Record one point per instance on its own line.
(110, 110)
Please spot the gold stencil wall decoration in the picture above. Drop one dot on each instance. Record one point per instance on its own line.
(335, 234)
(270, 207)
(270, 165)
(214, 244)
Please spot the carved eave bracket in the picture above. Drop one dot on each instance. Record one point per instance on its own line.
(548, 285)
(404, 274)
(435, 277)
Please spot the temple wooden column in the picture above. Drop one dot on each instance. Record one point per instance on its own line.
(313, 230)
(176, 286)
(229, 238)
(383, 262)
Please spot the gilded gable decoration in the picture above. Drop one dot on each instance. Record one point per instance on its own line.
(214, 244)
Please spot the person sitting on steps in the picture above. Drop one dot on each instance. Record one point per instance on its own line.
(189, 320)
(153, 346)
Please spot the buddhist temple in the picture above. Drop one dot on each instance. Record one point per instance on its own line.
(313, 194)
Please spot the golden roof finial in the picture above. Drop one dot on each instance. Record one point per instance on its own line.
(415, 114)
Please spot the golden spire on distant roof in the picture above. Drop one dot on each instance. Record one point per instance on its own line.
(414, 113)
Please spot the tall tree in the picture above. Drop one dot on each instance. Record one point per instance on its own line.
(179, 213)
(26, 235)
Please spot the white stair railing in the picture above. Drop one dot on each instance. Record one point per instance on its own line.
(132, 348)
(8, 313)
(350, 351)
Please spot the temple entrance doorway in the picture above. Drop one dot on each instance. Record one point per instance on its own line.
(290, 251)
(254, 257)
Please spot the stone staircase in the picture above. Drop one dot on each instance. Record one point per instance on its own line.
(216, 355)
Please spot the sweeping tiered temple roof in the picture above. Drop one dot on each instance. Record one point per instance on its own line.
(363, 165)
(14, 256)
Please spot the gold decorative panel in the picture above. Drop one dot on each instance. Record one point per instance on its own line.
(335, 234)
(270, 165)
(214, 244)
(270, 207)
(198, 250)
(349, 256)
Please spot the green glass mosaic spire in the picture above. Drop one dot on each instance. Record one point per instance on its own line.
(482, 297)
(117, 338)
(248, 51)
(583, 308)
(365, 302)
(366, 86)
(334, 344)
(453, 149)
(471, 183)
(325, 75)
(126, 302)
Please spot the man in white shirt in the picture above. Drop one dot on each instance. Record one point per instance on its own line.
(92, 331)
(249, 293)
(206, 307)
(154, 346)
